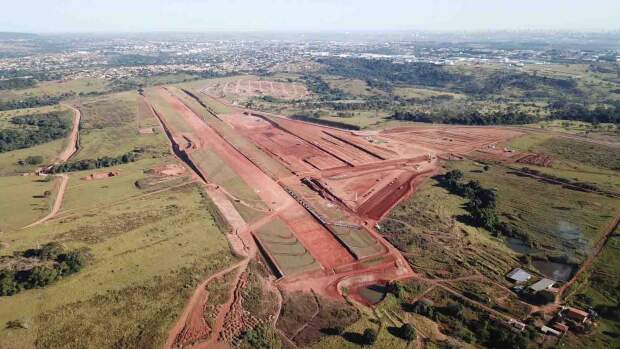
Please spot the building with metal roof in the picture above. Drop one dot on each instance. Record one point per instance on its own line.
(519, 275)
(543, 284)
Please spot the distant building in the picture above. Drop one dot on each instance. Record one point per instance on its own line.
(575, 314)
(519, 275)
(543, 284)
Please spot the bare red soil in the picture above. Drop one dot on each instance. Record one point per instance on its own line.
(338, 180)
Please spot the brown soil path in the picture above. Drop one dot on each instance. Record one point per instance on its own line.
(70, 150)
(192, 315)
(73, 146)
(64, 179)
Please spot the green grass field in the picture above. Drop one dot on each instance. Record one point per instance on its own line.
(581, 161)
(562, 221)
(110, 127)
(146, 255)
(56, 88)
(22, 201)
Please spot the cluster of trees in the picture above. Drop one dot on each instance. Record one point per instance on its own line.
(482, 201)
(17, 83)
(33, 102)
(382, 74)
(498, 81)
(317, 85)
(57, 263)
(563, 110)
(466, 117)
(91, 164)
(43, 128)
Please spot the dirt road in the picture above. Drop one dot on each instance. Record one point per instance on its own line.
(192, 315)
(70, 150)
(64, 179)
(73, 146)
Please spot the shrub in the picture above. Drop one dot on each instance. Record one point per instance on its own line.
(34, 160)
(50, 251)
(261, 337)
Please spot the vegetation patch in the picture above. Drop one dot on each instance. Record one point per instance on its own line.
(36, 268)
(34, 129)
(91, 164)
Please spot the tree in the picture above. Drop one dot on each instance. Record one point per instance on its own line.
(41, 276)
(545, 297)
(71, 262)
(369, 336)
(455, 309)
(407, 332)
(396, 289)
(8, 285)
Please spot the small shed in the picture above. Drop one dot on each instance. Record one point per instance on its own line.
(561, 327)
(549, 330)
(543, 284)
(518, 275)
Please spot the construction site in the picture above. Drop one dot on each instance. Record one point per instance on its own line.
(305, 199)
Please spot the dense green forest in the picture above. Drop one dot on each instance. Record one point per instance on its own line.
(34, 129)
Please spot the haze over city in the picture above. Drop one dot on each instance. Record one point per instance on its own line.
(307, 15)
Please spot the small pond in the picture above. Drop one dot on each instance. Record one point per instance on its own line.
(373, 294)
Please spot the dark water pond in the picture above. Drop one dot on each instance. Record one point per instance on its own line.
(373, 294)
(554, 271)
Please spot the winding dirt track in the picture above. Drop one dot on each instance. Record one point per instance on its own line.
(70, 150)
(196, 303)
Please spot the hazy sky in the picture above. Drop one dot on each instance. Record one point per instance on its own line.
(305, 15)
